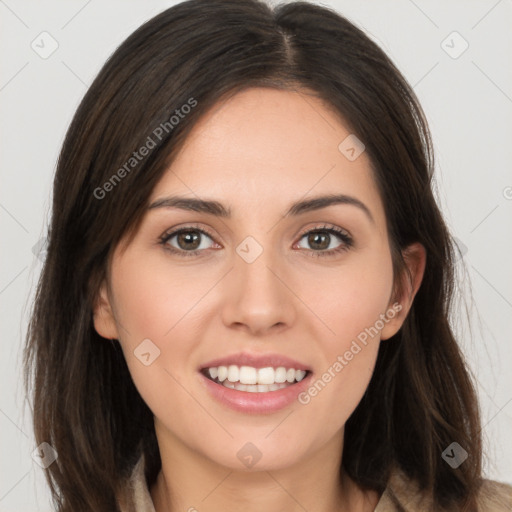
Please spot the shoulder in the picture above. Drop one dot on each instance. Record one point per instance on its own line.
(495, 497)
(403, 495)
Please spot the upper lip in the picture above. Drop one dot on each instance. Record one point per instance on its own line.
(256, 361)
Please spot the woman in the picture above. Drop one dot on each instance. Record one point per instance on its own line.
(298, 355)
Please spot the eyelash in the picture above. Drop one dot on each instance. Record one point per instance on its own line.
(345, 238)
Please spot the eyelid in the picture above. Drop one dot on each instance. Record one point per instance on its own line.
(325, 227)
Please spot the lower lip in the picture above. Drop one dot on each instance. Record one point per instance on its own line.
(256, 403)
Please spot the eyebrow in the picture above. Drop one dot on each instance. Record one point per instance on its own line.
(217, 209)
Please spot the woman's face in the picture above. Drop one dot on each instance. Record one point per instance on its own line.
(257, 291)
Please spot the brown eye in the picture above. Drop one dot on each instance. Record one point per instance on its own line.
(187, 241)
(319, 241)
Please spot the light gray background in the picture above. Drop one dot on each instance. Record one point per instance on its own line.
(468, 102)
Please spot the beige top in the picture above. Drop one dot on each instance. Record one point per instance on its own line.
(400, 495)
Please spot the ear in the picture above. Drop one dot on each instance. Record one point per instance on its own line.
(415, 257)
(103, 316)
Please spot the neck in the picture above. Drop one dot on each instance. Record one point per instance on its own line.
(191, 482)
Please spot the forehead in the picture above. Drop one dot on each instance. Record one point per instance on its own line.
(269, 147)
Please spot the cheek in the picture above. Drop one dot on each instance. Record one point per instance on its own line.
(352, 298)
(351, 303)
(154, 300)
(155, 313)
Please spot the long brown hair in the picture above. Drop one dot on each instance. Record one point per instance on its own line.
(420, 398)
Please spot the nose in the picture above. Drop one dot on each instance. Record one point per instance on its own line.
(259, 296)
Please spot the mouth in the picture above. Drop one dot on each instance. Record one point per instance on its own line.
(254, 380)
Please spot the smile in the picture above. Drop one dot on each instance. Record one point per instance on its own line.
(254, 380)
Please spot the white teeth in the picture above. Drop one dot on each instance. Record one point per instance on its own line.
(254, 388)
(233, 373)
(223, 373)
(266, 375)
(299, 375)
(280, 375)
(248, 375)
(255, 380)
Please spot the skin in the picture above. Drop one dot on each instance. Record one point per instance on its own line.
(256, 153)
